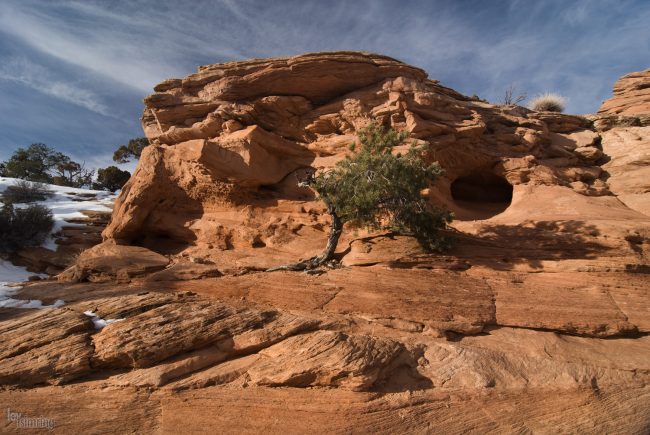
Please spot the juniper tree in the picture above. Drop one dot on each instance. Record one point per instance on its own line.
(43, 164)
(379, 189)
(132, 149)
(111, 178)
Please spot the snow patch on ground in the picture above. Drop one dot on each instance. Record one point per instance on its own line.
(10, 274)
(98, 321)
(67, 203)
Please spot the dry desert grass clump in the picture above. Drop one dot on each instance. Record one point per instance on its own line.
(548, 102)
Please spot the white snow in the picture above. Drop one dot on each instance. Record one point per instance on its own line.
(67, 203)
(98, 321)
(9, 275)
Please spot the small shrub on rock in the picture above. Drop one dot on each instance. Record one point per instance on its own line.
(22, 227)
(23, 191)
(548, 102)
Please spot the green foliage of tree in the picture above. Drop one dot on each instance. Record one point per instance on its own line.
(33, 163)
(43, 164)
(380, 189)
(111, 178)
(132, 149)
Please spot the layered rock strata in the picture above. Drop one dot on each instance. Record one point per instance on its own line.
(536, 321)
(231, 142)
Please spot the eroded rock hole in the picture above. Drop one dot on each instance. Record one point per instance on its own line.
(481, 194)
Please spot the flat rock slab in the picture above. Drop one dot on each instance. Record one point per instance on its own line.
(600, 305)
(290, 410)
(440, 299)
(431, 297)
(282, 290)
(76, 409)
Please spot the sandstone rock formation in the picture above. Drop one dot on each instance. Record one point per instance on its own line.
(536, 321)
(623, 123)
(631, 96)
(230, 143)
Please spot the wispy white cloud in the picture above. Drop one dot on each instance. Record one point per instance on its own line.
(136, 47)
(36, 77)
(79, 46)
(101, 54)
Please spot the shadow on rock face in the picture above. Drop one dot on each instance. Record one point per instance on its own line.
(504, 246)
(165, 230)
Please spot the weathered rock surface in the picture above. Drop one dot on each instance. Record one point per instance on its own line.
(50, 345)
(230, 143)
(326, 359)
(176, 328)
(631, 95)
(110, 261)
(537, 320)
(628, 149)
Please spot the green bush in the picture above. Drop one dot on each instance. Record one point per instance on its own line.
(378, 189)
(23, 191)
(22, 227)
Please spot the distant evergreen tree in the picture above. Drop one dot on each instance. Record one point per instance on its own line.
(377, 188)
(132, 149)
(43, 164)
(33, 163)
(72, 174)
(111, 178)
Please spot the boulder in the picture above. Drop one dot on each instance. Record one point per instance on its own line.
(110, 261)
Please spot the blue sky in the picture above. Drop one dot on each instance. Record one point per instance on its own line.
(73, 73)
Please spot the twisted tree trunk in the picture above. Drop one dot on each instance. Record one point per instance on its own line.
(326, 255)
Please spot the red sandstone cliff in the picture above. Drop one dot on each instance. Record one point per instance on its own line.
(220, 181)
(538, 319)
(631, 95)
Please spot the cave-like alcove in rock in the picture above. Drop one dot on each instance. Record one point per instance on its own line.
(480, 194)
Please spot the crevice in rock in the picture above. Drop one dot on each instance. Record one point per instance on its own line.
(336, 293)
(632, 333)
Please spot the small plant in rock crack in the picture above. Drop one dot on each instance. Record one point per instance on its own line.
(548, 102)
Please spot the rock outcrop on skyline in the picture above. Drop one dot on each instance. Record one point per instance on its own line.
(231, 143)
(631, 96)
(537, 319)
